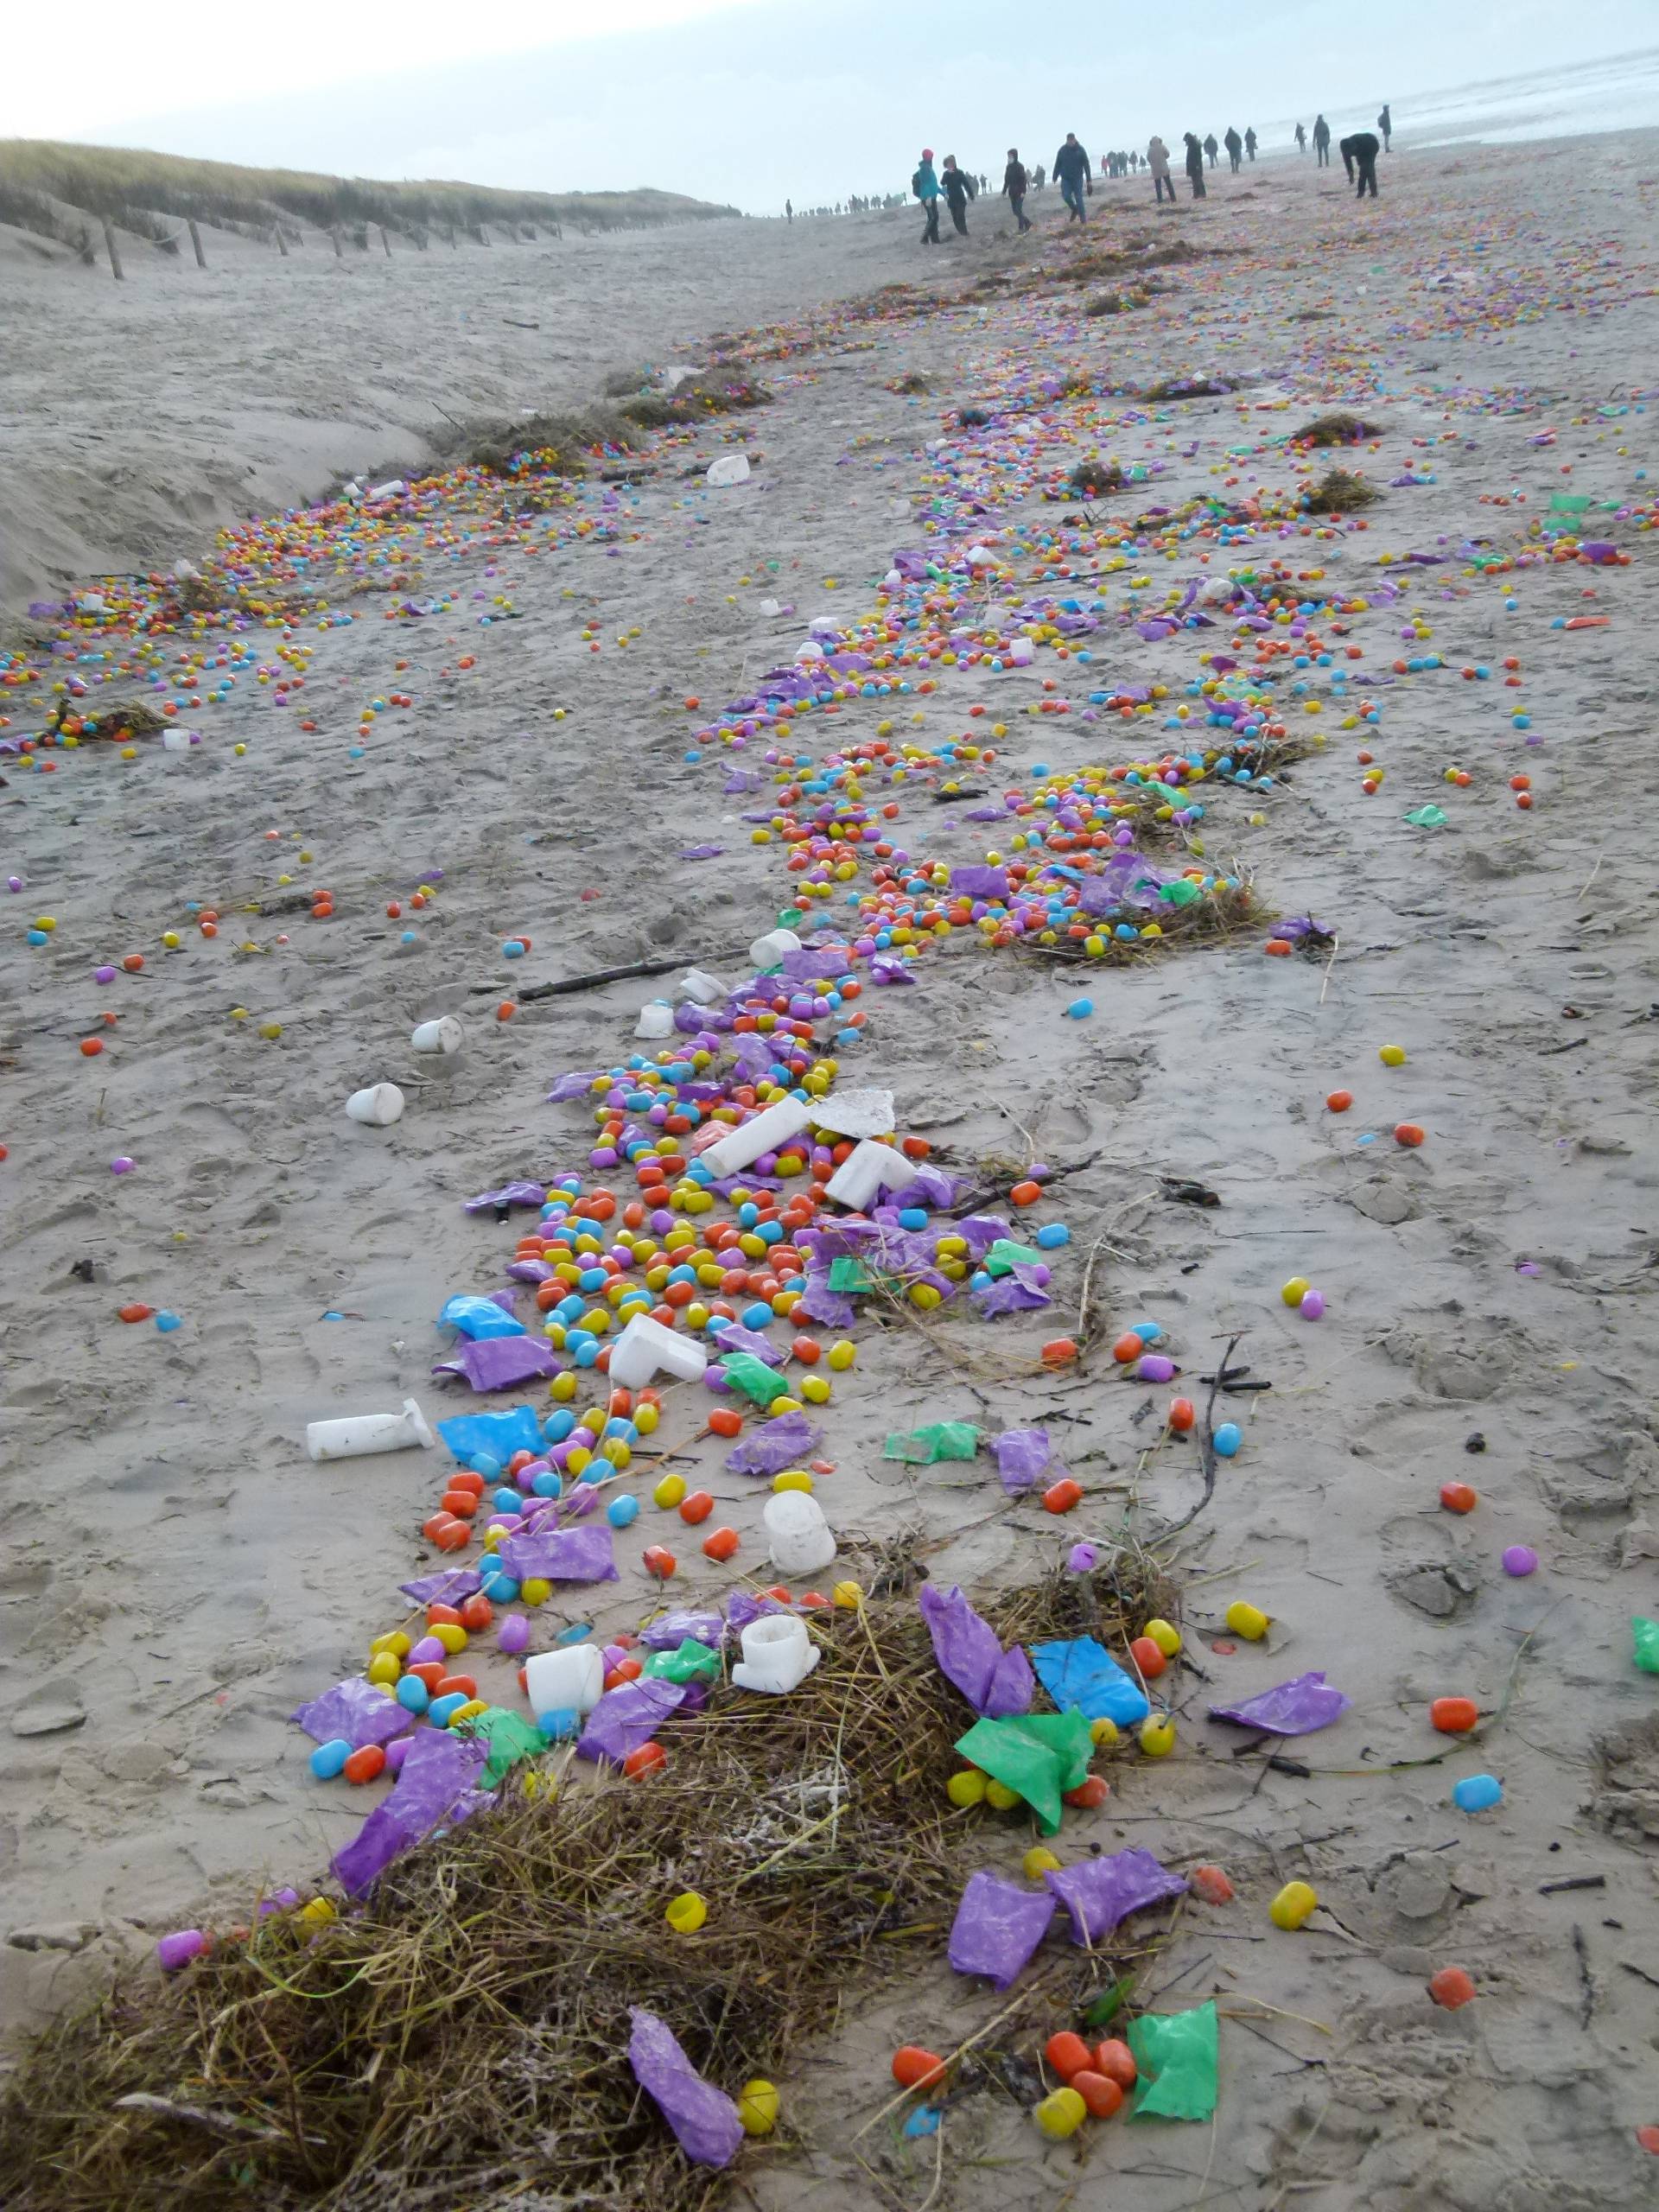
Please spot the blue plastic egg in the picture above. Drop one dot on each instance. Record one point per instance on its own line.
(1477, 1793)
(328, 1759)
(1228, 1437)
(622, 1512)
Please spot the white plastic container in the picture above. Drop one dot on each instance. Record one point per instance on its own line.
(777, 1655)
(394, 488)
(857, 1113)
(359, 1433)
(378, 1106)
(177, 740)
(571, 1681)
(800, 1537)
(703, 989)
(645, 1348)
(730, 468)
(868, 1169)
(766, 951)
(731, 1155)
(656, 1019)
(444, 1035)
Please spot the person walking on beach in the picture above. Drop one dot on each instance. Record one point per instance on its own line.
(1071, 168)
(1158, 162)
(1322, 142)
(1359, 155)
(1211, 149)
(959, 189)
(1301, 139)
(1195, 165)
(789, 211)
(1385, 125)
(1249, 141)
(1234, 146)
(1014, 183)
(925, 186)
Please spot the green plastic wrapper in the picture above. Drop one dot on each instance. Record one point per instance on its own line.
(691, 1663)
(1645, 1635)
(752, 1378)
(1039, 1755)
(1005, 1255)
(1426, 817)
(1177, 2054)
(510, 1737)
(850, 1276)
(944, 1439)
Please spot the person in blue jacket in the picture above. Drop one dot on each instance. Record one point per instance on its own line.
(925, 186)
(1072, 169)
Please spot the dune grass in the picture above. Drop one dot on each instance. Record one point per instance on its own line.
(133, 188)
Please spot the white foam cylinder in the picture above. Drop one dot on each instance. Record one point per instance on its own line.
(656, 1019)
(801, 1539)
(703, 989)
(444, 1035)
(570, 1680)
(378, 1106)
(358, 1433)
(766, 951)
(730, 468)
(645, 1348)
(777, 1655)
(867, 1169)
(765, 1133)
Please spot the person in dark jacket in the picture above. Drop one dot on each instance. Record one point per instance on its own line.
(1301, 139)
(1195, 164)
(1249, 141)
(1322, 142)
(1014, 185)
(1359, 155)
(1234, 146)
(1072, 169)
(959, 189)
(1385, 125)
(1211, 149)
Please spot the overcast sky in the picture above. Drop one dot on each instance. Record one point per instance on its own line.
(746, 101)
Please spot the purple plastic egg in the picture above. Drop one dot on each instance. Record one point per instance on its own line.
(426, 1651)
(105, 975)
(396, 1753)
(1082, 1559)
(178, 1949)
(513, 1634)
(121, 1164)
(1153, 1367)
(1520, 1559)
(1312, 1305)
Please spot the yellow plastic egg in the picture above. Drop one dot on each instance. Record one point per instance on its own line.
(1157, 1735)
(318, 1913)
(536, 1591)
(841, 1355)
(686, 1913)
(848, 1596)
(1293, 1904)
(999, 1797)
(1166, 1636)
(1295, 1290)
(1102, 1732)
(1037, 1861)
(1392, 1055)
(383, 1668)
(758, 2107)
(792, 1478)
(1248, 1621)
(450, 1634)
(967, 1786)
(1062, 2112)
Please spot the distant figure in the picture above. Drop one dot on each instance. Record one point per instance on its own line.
(1359, 155)
(1322, 142)
(925, 186)
(1385, 125)
(1014, 182)
(1158, 162)
(1038, 177)
(1211, 149)
(1234, 146)
(1301, 139)
(959, 189)
(1195, 165)
(1071, 168)
(984, 183)
(789, 211)
(1249, 141)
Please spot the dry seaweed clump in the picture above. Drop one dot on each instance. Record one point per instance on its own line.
(1338, 491)
(1117, 302)
(562, 443)
(1096, 479)
(1338, 428)
(693, 399)
(908, 384)
(1210, 917)
(1189, 388)
(461, 2036)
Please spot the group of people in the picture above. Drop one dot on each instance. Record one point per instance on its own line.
(1074, 173)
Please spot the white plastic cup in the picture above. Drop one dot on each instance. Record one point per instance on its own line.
(645, 1348)
(766, 951)
(703, 989)
(731, 1155)
(801, 1539)
(656, 1019)
(730, 468)
(356, 1434)
(868, 1169)
(444, 1035)
(378, 1106)
(570, 1680)
(777, 1655)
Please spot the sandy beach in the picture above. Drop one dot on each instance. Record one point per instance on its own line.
(179, 1577)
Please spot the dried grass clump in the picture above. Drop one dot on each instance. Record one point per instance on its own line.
(1212, 919)
(1338, 428)
(460, 2038)
(908, 384)
(132, 718)
(563, 443)
(1189, 388)
(1096, 479)
(689, 402)
(1338, 491)
(1117, 302)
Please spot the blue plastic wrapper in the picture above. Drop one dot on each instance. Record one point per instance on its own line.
(496, 1436)
(1083, 1673)
(479, 1318)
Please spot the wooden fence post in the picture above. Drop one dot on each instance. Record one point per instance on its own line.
(339, 251)
(386, 241)
(115, 259)
(195, 240)
(282, 243)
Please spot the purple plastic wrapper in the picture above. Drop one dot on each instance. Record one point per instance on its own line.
(996, 1682)
(980, 882)
(669, 1633)
(774, 1446)
(529, 1271)
(1023, 1458)
(446, 1588)
(704, 2120)
(1009, 1296)
(560, 1555)
(356, 1710)
(738, 1338)
(702, 852)
(998, 1928)
(625, 1718)
(933, 1187)
(831, 1309)
(742, 1609)
(500, 1363)
(817, 964)
(509, 1194)
(437, 1780)
(1099, 1892)
(980, 1231)
(888, 968)
(1296, 1708)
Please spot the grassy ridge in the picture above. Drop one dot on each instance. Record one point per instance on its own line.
(136, 188)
